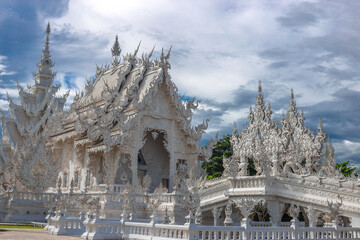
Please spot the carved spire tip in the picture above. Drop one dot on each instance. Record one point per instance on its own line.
(116, 50)
(259, 87)
(235, 129)
(168, 54)
(48, 30)
(137, 49)
(292, 94)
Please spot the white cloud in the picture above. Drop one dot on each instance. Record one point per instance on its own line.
(4, 105)
(216, 43)
(348, 150)
(12, 92)
(3, 67)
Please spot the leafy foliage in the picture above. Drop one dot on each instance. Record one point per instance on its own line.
(251, 167)
(345, 169)
(214, 167)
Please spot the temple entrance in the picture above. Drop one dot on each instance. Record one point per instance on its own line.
(154, 160)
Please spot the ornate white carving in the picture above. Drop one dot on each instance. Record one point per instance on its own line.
(246, 205)
(294, 211)
(228, 211)
(335, 208)
(289, 150)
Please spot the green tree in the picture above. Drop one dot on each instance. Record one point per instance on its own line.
(345, 169)
(214, 167)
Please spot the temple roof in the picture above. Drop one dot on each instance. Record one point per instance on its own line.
(110, 79)
(113, 98)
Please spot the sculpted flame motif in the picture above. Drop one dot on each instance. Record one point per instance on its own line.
(288, 149)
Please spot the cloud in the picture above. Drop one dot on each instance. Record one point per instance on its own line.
(4, 104)
(12, 92)
(301, 15)
(3, 67)
(348, 151)
(341, 115)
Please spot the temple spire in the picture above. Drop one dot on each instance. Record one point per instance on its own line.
(292, 114)
(259, 87)
(260, 108)
(235, 131)
(116, 51)
(44, 75)
(48, 29)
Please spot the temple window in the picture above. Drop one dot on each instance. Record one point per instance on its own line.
(65, 180)
(76, 178)
(165, 183)
(88, 178)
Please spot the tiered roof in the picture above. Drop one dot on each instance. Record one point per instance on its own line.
(37, 103)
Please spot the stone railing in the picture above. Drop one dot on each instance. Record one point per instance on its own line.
(268, 224)
(61, 225)
(139, 197)
(233, 233)
(218, 188)
(97, 228)
(215, 189)
(112, 187)
(30, 196)
(248, 182)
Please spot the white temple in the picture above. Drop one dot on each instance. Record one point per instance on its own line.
(124, 162)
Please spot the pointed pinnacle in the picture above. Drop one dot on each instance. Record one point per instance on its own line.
(152, 51)
(48, 29)
(292, 94)
(168, 54)
(235, 129)
(116, 50)
(137, 49)
(320, 124)
(259, 87)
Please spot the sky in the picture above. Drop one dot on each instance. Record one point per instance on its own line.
(221, 49)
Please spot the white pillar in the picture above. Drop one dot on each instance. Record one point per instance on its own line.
(216, 211)
(134, 166)
(276, 210)
(83, 154)
(172, 155)
(312, 215)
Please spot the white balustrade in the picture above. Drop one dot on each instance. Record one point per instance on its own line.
(249, 182)
(104, 229)
(61, 225)
(215, 189)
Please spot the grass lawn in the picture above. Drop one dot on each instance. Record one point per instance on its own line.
(20, 226)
